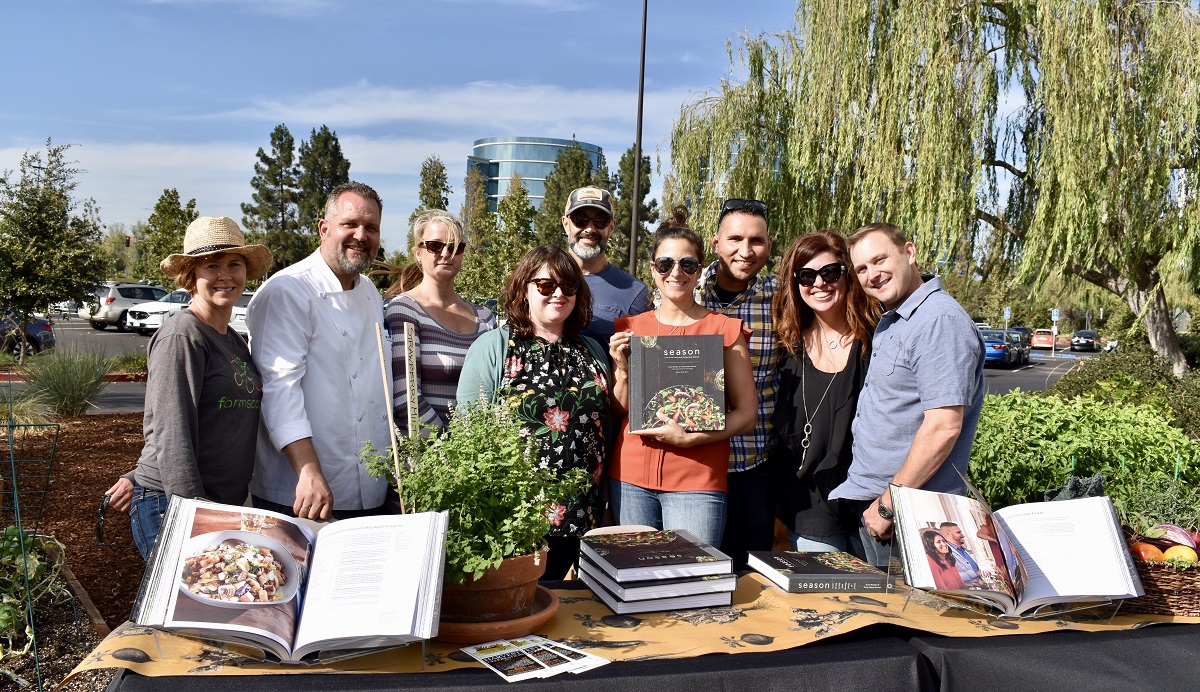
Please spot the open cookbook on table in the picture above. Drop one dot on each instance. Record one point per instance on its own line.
(677, 378)
(1016, 559)
(255, 577)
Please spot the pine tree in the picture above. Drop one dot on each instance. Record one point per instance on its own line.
(486, 269)
(162, 235)
(322, 167)
(618, 243)
(572, 169)
(50, 243)
(435, 188)
(271, 219)
(475, 216)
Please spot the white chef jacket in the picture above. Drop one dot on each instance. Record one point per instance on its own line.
(315, 346)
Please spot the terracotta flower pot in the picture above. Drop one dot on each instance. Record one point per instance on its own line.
(503, 593)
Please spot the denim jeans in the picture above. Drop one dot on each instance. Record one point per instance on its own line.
(817, 544)
(863, 545)
(145, 517)
(701, 512)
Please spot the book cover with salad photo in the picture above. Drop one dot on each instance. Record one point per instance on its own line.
(677, 378)
(250, 576)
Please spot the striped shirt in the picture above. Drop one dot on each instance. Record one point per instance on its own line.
(753, 307)
(440, 355)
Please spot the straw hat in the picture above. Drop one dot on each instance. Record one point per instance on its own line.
(208, 235)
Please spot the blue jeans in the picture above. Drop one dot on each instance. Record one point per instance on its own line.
(817, 544)
(702, 512)
(145, 517)
(863, 545)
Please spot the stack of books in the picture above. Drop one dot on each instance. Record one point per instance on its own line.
(650, 571)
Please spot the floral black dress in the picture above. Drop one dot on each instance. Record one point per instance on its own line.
(560, 393)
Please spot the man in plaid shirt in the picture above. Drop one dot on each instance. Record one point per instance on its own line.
(732, 286)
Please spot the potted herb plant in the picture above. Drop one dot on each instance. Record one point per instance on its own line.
(483, 470)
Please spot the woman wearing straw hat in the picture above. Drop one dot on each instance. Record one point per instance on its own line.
(202, 391)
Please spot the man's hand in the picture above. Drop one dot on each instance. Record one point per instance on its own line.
(877, 526)
(120, 496)
(314, 499)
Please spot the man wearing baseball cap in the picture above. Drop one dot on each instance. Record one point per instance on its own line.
(588, 222)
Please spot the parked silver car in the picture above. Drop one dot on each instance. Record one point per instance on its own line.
(113, 301)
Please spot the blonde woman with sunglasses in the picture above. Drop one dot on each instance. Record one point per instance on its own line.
(555, 379)
(446, 325)
(666, 477)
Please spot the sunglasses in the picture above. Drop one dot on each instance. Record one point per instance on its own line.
(436, 246)
(830, 274)
(689, 265)
(751, 206)
(597, 221)
(547, 286)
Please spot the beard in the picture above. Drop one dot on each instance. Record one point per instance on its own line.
(587, 252)
(346, 266)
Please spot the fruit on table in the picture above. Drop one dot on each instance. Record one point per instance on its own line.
(1180, 552)
(1146, 552)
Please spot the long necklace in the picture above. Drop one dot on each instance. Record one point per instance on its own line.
(804, 402)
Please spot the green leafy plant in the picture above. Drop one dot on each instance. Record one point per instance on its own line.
(1027, 443)
(129, 363)
(1136, 376)
(41, 562)
(68, 379)
(484, 471)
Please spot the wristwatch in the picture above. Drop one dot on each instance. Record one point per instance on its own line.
(885, 511)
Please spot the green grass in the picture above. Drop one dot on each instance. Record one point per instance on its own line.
(68, 379)
(25, 407)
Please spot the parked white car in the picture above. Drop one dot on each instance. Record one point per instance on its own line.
(113, 300)
(238, 321)
(148, 317)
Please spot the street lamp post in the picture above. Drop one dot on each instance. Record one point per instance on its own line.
(637, 154)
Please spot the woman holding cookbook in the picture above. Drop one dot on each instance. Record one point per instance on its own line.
(668, 477)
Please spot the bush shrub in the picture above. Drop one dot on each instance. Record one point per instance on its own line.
(1136, 376)
(68, 379)
(1026, 444)
(24, 407)
(130, 363)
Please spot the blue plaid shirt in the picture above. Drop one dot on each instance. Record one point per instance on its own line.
(753, 307)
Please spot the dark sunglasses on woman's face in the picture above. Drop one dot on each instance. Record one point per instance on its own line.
(689, 265)
(547, 286)
(436, 247)
(830, 274)
(582, 220)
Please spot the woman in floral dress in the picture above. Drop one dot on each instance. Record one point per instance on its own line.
(555, 379)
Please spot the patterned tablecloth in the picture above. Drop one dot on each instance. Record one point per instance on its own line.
(762, 618)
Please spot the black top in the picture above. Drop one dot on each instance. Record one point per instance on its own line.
(803, 504)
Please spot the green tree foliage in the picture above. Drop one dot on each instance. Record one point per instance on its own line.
(893, 111)
(50, 242)
(487, 268)
(117, 255)
(322, 167)
(435, 188)
(162, 235)
(271, 218)
(572, 169)
(618, 244)
(475, 216)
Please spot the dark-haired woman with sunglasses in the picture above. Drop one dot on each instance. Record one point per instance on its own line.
(445, 324)
(555, 379)
(667, 477)
(823, 323)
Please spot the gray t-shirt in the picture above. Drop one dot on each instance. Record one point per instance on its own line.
(615, 293)
(926, 354)
(203, 397)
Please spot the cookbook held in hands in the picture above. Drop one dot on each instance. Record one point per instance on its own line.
(249, 576)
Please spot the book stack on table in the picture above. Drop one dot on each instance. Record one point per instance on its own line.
(648, 571)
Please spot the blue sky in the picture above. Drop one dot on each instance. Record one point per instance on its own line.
(181, 93)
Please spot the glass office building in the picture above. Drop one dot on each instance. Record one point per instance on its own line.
(497, 158)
